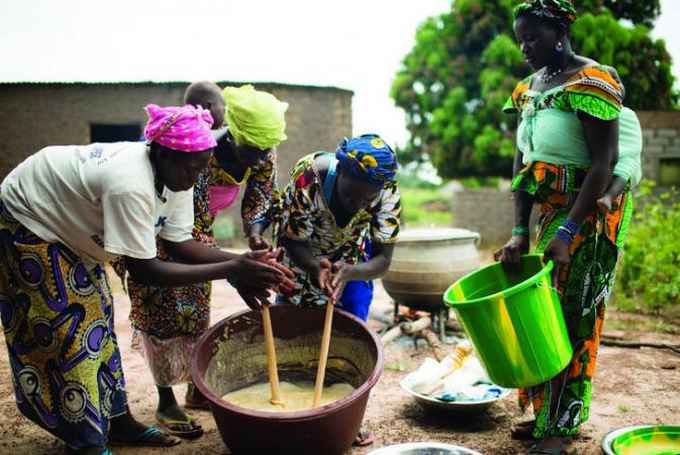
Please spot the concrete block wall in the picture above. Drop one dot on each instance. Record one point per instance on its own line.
(490, 212)
(661, 135)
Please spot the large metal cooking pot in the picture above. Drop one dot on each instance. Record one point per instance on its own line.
(426, 262)
(231, 355)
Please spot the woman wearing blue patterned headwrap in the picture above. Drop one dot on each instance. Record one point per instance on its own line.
(337, 208)
(368, 158)
(340, 220)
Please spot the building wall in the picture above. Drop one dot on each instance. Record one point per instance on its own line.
(488, 211)
(33, 116)
(661, 132)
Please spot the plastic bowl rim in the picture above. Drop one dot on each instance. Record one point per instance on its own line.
(610, 437)
(506, 392)
(421, 445)
(293, 416)
(547, 268)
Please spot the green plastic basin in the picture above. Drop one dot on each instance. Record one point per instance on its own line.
(514, 322)
(643, 440)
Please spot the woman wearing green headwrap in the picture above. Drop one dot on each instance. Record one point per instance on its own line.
(573, 129)
(167, 321)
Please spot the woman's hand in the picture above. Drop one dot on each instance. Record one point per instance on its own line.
(322, 275)
(510, 254)
(342, 272)
(259, 269)
(254, 297)
(256, 242)
(557, 251)
(273, 258)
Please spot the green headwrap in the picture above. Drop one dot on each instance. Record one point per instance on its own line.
(561, 11)
(254, 117)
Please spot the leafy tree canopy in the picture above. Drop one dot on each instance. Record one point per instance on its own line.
(465, 64)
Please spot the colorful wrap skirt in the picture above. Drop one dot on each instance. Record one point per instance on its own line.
(563, 404)
(57, 317)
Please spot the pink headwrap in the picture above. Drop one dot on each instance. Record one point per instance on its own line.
(185, 128)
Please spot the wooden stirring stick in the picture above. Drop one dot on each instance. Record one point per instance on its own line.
(271, 357)
(323, 356)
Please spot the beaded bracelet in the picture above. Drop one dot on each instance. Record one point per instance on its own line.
(567, 232)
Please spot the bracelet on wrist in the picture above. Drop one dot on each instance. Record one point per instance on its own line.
(571, 226)
(565, 235)
(520, 231)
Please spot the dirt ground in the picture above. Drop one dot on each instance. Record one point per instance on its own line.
(631, 387)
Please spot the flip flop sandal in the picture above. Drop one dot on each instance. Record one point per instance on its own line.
(151, 437)
(363, 439)
(174, 427)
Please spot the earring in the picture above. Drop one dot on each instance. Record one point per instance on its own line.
(559, 47)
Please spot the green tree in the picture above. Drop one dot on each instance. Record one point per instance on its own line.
(639, 12)
(465, 63)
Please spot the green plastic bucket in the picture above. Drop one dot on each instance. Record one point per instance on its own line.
(514, 322)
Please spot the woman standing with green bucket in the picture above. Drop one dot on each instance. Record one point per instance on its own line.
(567, 141)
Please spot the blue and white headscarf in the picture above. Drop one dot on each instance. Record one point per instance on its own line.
(369, 158)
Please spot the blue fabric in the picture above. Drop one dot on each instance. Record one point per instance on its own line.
(358, 295)
(357, 298)
(329, 183)
(369, 158)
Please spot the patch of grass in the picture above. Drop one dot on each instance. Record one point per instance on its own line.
(425, 207)
(624, 408)
(649, 280)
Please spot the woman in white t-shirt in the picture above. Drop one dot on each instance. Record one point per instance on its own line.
(65, 211)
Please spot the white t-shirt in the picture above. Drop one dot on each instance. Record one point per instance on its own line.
(98, 199)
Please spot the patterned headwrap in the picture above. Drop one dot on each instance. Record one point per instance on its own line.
(185, 128)
(369, 158)
(254, 117)
(561, 11)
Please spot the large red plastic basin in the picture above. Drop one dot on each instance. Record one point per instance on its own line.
(231, 355)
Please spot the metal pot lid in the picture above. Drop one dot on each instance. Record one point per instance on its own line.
(436, 234)
(424, 448)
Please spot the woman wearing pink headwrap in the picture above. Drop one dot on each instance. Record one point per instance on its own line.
(64, 212)
(169, 320)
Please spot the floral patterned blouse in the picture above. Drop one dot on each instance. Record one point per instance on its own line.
(260, 199)
(306, 217)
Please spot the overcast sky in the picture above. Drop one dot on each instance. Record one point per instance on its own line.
(354, 44)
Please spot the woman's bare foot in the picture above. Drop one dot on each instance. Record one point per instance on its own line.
(523, 431)
(550, 446)
(363, 439)
(126, 431)
(194, 399)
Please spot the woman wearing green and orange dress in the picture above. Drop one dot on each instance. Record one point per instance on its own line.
(64, 212)
(568, 142)
(168, 320)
